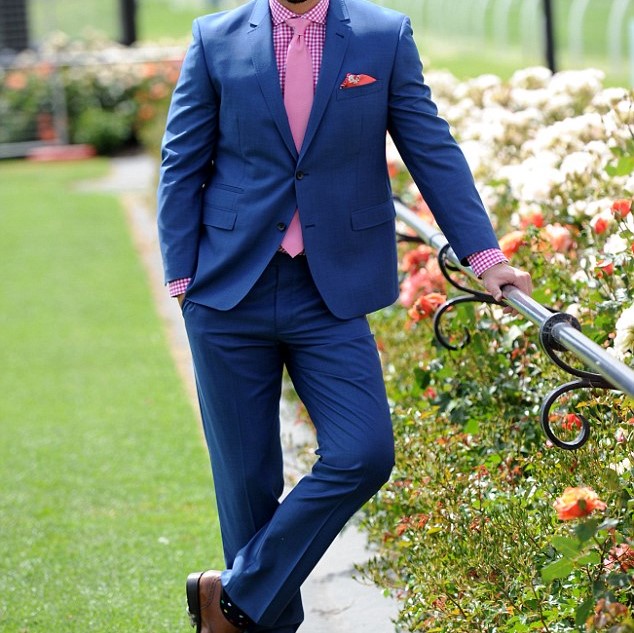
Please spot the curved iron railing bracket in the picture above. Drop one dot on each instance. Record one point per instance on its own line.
(544, 414)
(472, 295)
(588, 380)
(558, 332)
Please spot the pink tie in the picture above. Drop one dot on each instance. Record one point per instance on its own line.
(298, 99)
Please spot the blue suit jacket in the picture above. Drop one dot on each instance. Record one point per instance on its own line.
(231, 177)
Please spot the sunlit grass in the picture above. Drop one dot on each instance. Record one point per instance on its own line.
(106, 500)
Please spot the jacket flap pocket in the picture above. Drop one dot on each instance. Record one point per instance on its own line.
(221, 197)
(219, 218)
(373, 216)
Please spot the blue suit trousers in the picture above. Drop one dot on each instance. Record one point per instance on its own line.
(271, 546)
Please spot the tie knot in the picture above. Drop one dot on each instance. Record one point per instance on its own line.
(298, 25)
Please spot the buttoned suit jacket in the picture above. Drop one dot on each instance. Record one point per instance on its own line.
(231, 177)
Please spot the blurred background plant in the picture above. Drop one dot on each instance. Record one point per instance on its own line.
(114, 96)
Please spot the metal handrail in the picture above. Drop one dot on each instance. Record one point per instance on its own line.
(558, 332)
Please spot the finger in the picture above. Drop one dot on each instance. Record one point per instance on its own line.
(496, 292)
(523, 282)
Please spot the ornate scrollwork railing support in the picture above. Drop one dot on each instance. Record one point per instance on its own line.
(587, 380)
(471, 296)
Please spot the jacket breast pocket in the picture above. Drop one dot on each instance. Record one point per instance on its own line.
(359, 91)
(219, 218)
(368, 217)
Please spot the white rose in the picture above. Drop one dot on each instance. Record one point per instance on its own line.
(624, 340)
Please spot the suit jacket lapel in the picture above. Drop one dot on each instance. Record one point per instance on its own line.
(335, 46)
(263, 56)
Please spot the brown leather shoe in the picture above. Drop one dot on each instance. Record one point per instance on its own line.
(203, 603)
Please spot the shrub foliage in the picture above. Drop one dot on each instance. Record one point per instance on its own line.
(486, 526)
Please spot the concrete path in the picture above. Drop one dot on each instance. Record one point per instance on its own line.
(334, 601)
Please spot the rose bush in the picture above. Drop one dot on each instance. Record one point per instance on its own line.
(113, 95)
(485, 525)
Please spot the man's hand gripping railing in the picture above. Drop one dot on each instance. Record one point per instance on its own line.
(558, 331)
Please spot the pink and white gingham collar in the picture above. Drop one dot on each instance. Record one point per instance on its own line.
(317, 14)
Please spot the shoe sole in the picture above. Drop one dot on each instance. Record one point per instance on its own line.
(192, 589)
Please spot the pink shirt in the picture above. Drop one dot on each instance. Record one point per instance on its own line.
(315, 38)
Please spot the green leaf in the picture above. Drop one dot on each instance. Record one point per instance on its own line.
(612, 479)
(493, 461)
(623, 167)
(586, 530)
(472, 427)
(584, 610)
(561, 568)
(423, 377)
(618, 580)
(568, 547)
(591, 558)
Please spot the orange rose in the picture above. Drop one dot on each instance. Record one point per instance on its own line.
(149, 70)
(511, 242)
(426, 305)
(16, 80)
(158, 91)
(576, 503)
(559, 237)
(621, 208)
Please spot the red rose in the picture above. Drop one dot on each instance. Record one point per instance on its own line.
(621, 208)
(605, 267)
(571, 421)
(601, 226)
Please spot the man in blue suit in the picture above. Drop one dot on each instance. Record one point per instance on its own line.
(235, 179)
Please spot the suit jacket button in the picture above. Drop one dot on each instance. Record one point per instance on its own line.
(299, 175)
(281, 226)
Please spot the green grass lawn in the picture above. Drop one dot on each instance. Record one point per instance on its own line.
(106, 500)
(159, 19)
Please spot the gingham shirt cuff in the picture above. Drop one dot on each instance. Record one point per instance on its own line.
(483, 260)
(178, 286)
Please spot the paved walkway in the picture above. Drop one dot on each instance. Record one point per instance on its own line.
(334, 602)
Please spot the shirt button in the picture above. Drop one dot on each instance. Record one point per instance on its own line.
(281, 226)
(299, 175)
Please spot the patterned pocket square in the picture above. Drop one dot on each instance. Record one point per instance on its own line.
(352, 81)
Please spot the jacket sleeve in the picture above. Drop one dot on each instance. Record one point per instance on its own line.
(432, 156)
(187, 160)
